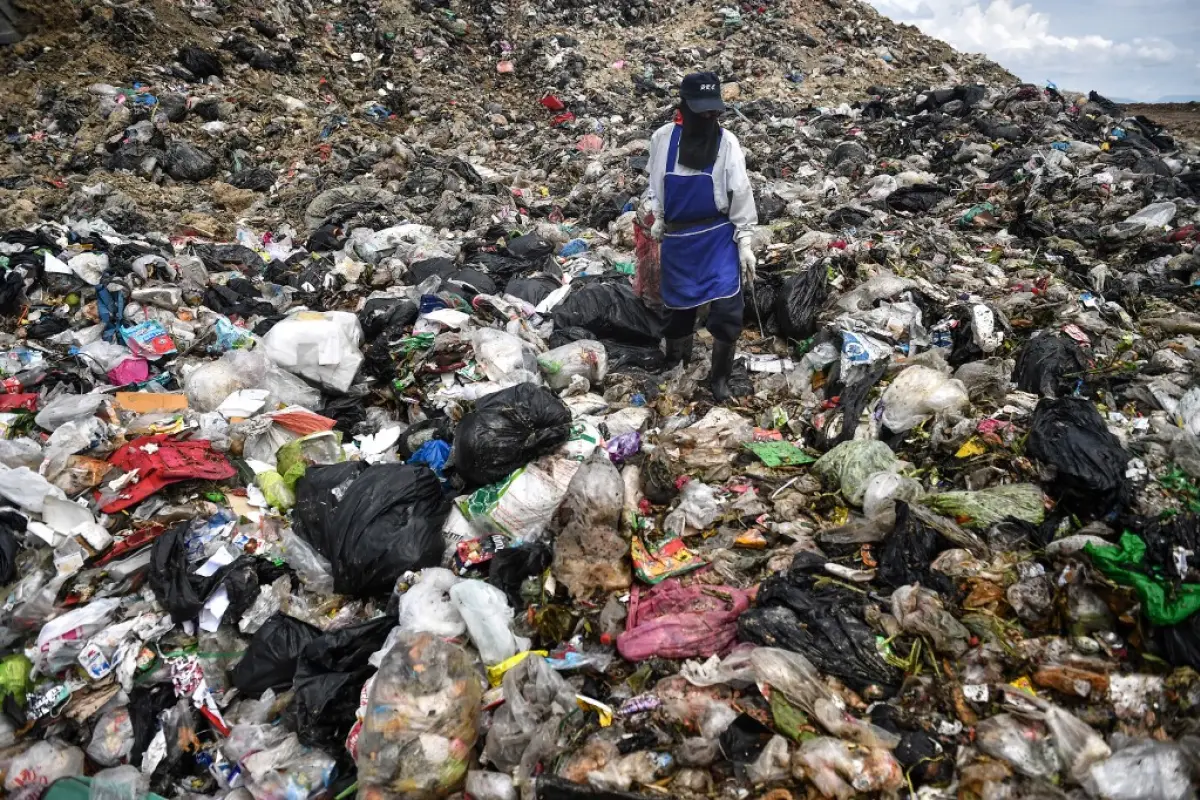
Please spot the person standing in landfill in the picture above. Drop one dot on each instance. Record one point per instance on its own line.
(704, 216)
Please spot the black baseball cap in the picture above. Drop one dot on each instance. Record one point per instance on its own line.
(702, 92)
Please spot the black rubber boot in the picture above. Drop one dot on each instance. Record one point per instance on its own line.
(679, 351)
(722, 368)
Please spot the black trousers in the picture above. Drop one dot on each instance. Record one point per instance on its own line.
(724, 320)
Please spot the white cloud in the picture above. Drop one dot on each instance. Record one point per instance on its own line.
(1025, 41)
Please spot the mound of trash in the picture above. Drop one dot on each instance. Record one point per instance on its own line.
(339, 454)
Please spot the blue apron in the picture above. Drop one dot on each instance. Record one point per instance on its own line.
(699, 262)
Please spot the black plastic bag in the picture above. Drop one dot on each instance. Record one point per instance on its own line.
(11, 523)
(1069, 436)
(918, 199)
(186, 162)
(1165, 539)
(745, 739)
(330, 674)
(420, 271)
(388, 521)
(760, 305)
(1180, 644)
(317, 494)
(200, 63)
(345, 411)
(530, 247)
(1049, 365)
(270, 659)
(261, 179)
(533, 289)
(608, 309)
(243, 580)
(907, 553)
(799, 301)
(507, 430)
(384, 313)
(822, 622)
(145, 704)
(174, 580)
(511, 566)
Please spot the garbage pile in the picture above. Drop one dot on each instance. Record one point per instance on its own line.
(340, 457)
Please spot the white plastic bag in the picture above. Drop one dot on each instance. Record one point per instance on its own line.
(25, 488)
(488, 617)
(43, 764)
(918, 393)
(63, 638)
(1155, 215)
(320, 346)
(426, 606)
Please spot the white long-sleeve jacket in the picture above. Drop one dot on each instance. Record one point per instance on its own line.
(731, 184)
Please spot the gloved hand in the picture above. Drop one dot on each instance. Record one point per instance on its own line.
(658, 229)
(747, 260)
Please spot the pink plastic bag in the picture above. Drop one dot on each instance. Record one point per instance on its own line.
(674, 621)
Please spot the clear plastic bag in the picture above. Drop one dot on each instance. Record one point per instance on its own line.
(772, 764)
(1026, 745)
(918, 393)
(842, 770)
(119, 783)
(503, 357)
(585, 357)
(25, 488)
(483, 785)
(920, 611)
(21, 452)
(698, 507)
(421, 722)
(535, 696)
(64, 637)
(1145, 770)
(884, 489)
(312, 567)
(488, 617)
(112, 738)
(426, 606)
(795, 676)
(66, 408)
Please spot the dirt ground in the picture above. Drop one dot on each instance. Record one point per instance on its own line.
(1182, 119)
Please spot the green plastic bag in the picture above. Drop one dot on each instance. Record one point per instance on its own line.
(294, 457)
(14, 677)
(275, 488)
(986, 507)
(779, 454)
(1122, 564)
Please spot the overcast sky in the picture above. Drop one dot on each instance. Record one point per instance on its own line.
(1135, 49)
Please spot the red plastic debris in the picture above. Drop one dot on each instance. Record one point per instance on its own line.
(161, 461)
(552, 103)
(18, 402)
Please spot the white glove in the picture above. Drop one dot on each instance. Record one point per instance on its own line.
(747, 260)
(658, 229)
